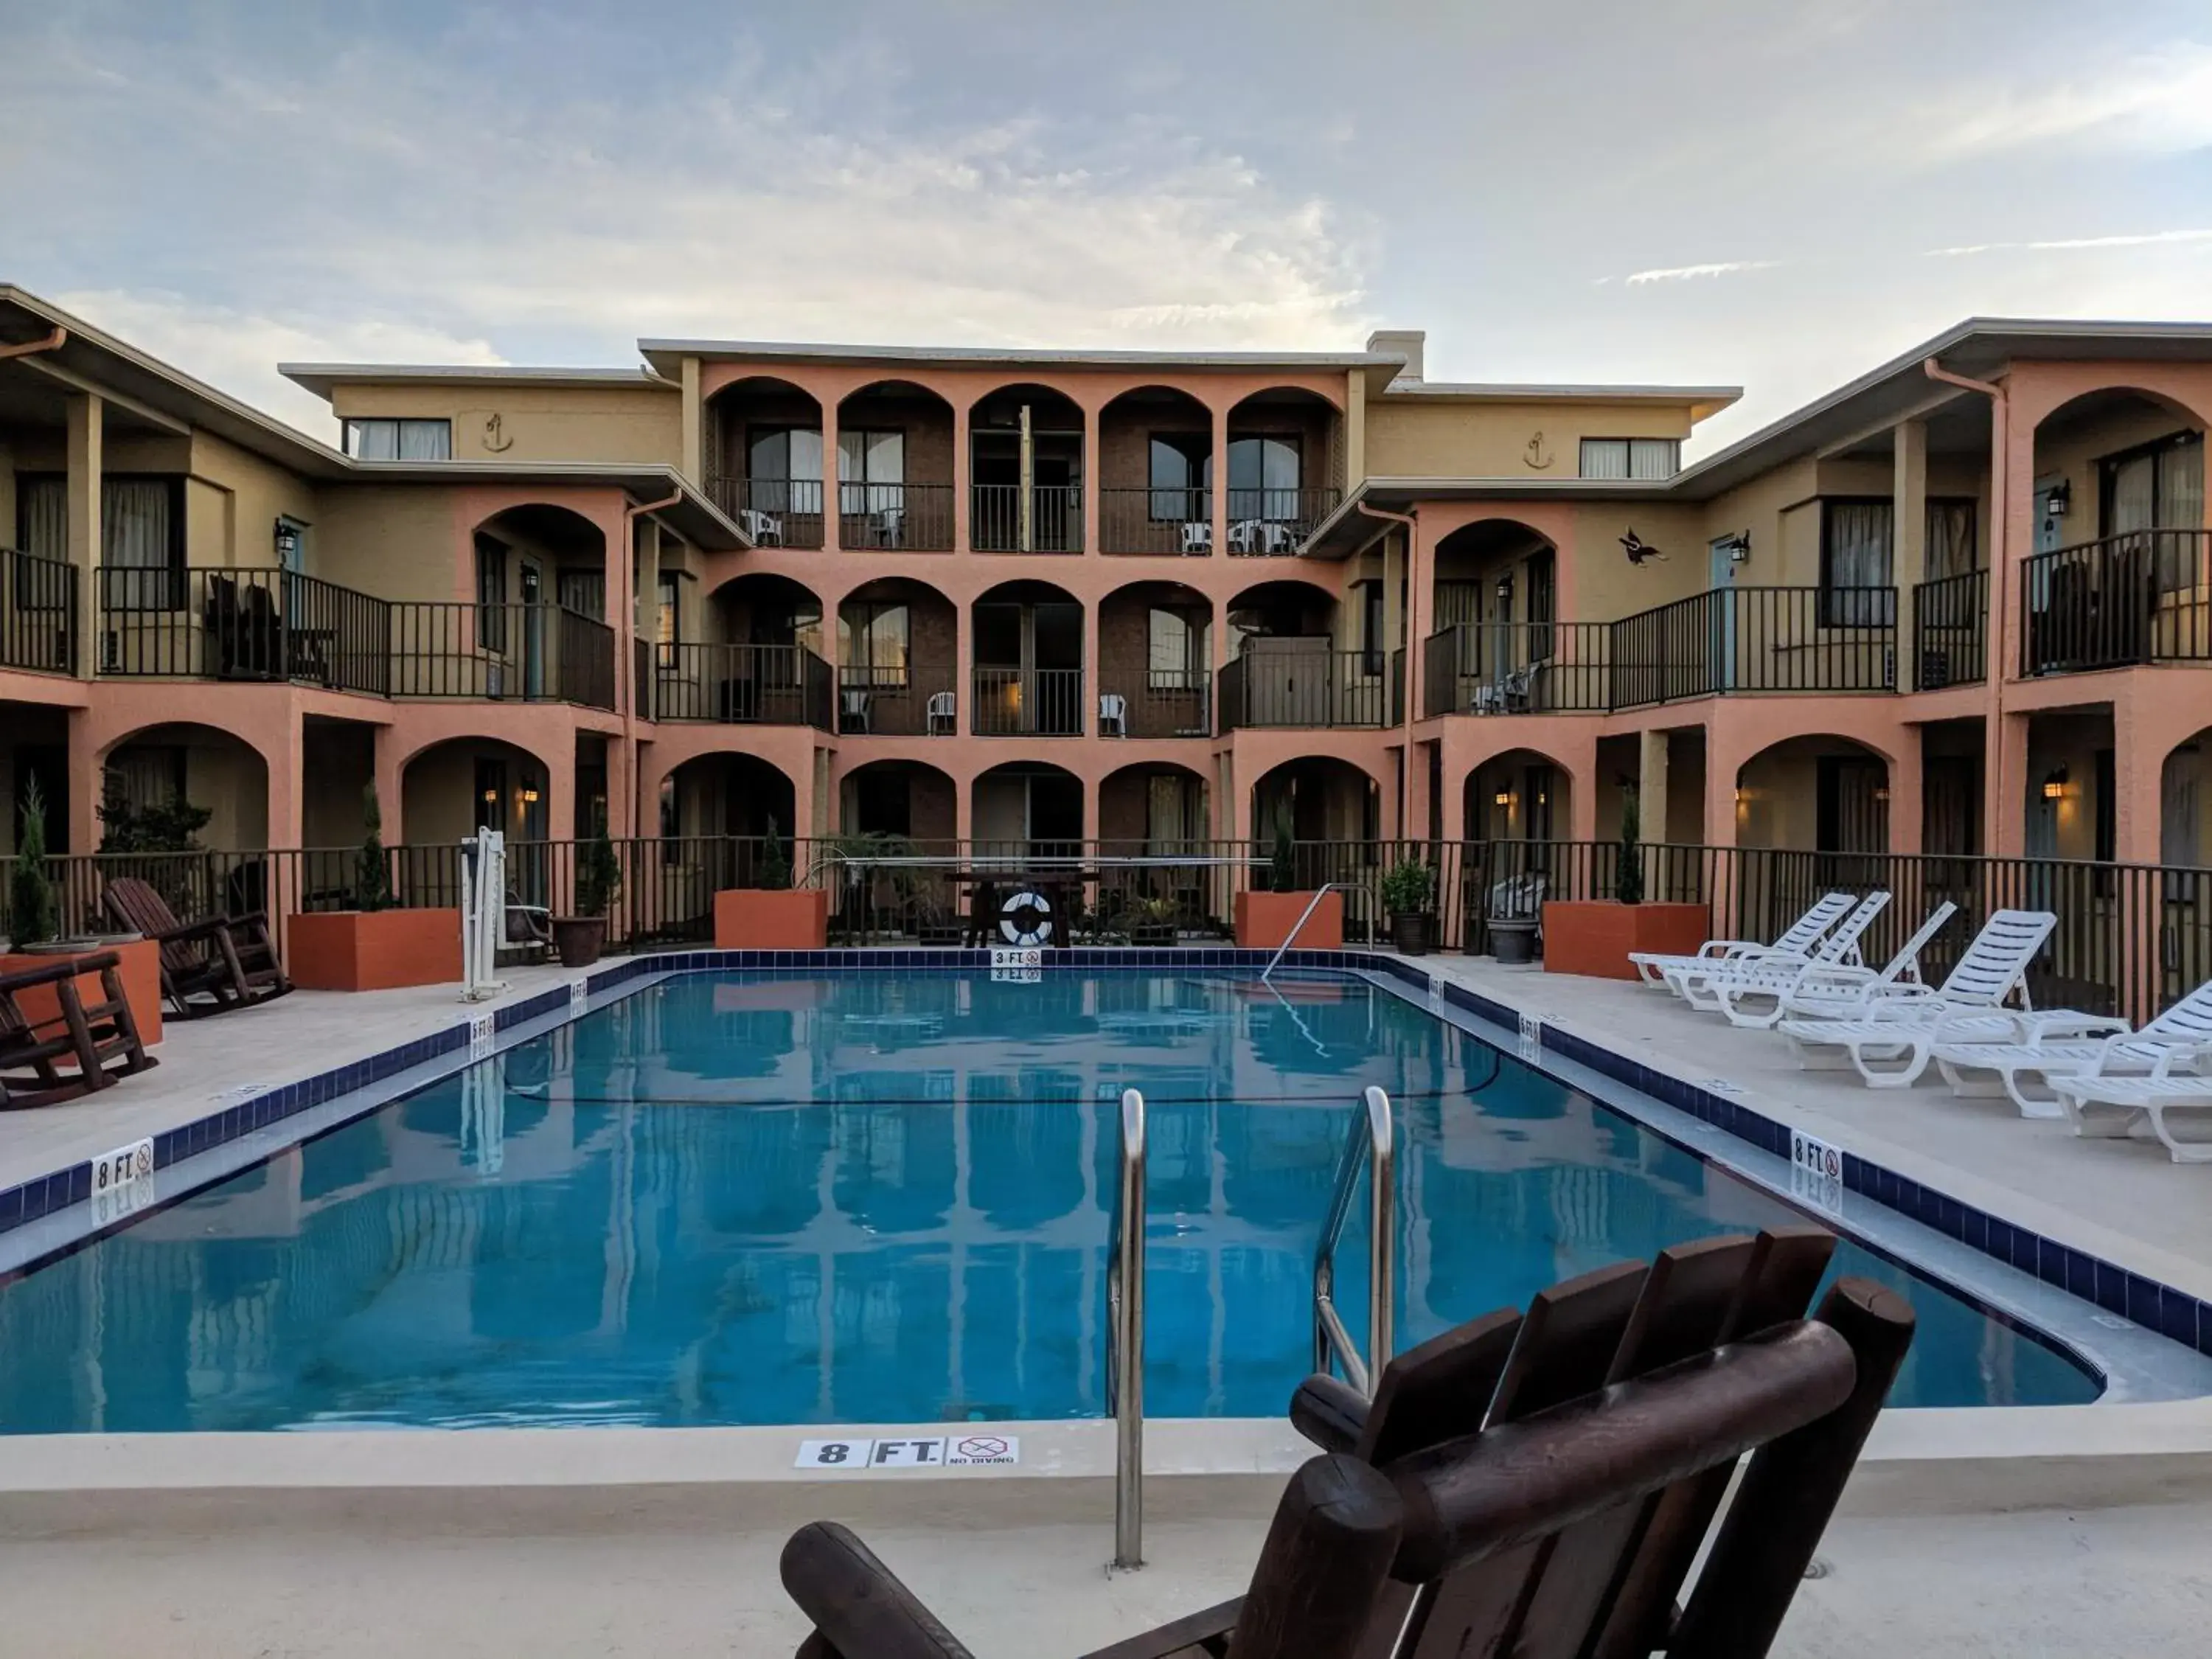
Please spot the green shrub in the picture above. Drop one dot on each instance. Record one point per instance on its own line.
(775, 864)
(1409, 888)
(372, 871)
(30, 890)
(1283, 871)
(1628, 883)
(599, 874)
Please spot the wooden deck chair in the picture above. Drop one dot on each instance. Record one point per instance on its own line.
(207, 967)
(89, 1038)
(1570, 1528)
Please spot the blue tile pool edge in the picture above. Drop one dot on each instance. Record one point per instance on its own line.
(2156, 1307)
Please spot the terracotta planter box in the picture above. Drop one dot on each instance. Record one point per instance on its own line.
(372, 950)
(758, 918)
(1594, 936)
(141, 967)
(1264, 920)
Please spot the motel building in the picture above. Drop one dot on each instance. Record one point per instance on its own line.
(1960, 605)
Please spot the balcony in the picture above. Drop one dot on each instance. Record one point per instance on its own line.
(1163, 703)
(1264, 522)
(1297, 682)
(38, 613)
(1516, 668)
(1174, 522)
(742, 684)
(913, 701)
(895, 517)
(1043, 519)
(2139, 597)
(773, 511)
(1950, 631)
(1028, 702)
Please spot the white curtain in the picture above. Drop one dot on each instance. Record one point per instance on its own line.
(1951, 550)
(2134, 500)
(2181, 506)
(1605, 457)
(1858, 549)
(44, 510)
(1652, 458)
(426, 441)
(2178, 841)
(134, 543)
(376, 441)
(870, 470)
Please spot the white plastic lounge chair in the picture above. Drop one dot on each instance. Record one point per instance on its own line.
(1797, 941)
(2102, 1104)
(1892, 1040)
(1766, 990)
(766, 529)
(1984, 1070)
(1698, 983)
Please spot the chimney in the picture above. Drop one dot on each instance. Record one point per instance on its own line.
(1405, 343)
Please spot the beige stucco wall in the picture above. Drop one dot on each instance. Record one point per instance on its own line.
(392, 541)
(535, 423)
(1430, 437)
(2073, 455)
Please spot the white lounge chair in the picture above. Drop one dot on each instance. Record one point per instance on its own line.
(1893, 1039)
(1984, 1070)
(1768, 990)
(1797, 941)
(1699, 983)
(2100, 1104)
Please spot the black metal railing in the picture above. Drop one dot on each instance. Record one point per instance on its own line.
(742, 684)
(502, 652)
(1264, 521)
(1516, 668)
(242, 624)
(1162, 702)
(908, 517)
(773, 511)
(2141, 597)
(38, 613)
(1040, 702)
(1950, 631)
(1756, 639)
(1316, 688)
(915, 701)
(1169, 521)
(642, 654)
(1052, 523)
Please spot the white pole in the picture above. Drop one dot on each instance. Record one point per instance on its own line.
(483, 910)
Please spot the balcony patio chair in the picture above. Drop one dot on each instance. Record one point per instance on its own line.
(90, 1038)
(764, 529)
(852, 710)
(1817, 989)
(942, 717)
(1113, 714)
(207, 967)
(1985, 1069)
(1797, 940)
(1698, 983)
(1509, 696)
(1538, 1483)
(1197, 536)
(890, 527)
(1893, 1038)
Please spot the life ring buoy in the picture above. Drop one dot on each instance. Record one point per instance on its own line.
(1025, 920)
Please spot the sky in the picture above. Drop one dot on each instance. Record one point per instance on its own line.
(1748, 193)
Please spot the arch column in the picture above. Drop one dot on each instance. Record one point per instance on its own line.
(87, 783)
(962, 470)
(384, 768)
(1219, 503)
(1093, 789)
(832, 520)
(1091, 541)
(2004, 786)
(1905, 806)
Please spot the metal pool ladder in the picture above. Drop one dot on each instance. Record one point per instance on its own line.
(1125, 1338)
(1304, 916)
(1369, 1141)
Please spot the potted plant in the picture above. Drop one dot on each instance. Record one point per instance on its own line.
(32, 916)
(372, 944)
(771, 915)
(1512, 918)
(1155, 918)
(1594, 936)
(582, 937)
(34, 924)
(1265, 919)
(1409, 892)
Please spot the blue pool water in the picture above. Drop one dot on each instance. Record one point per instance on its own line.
(743, 1198)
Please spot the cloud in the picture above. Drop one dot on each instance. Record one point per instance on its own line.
(1688, 273)
(2156, 102)
(2145, 239)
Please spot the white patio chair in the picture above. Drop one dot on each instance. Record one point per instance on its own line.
(1983, 1070)
(1822, 990)
(1892, 1040)
(1504, 697)
(853, 703)
(1699, 984)
(2100, 1104)
(1113, 714)
(942, 715)
(1197, 536)
(765, 529)
(1797, 940)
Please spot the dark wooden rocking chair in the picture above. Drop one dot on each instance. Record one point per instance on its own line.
(207, 967)
(90, 1037)
(1567, 1522)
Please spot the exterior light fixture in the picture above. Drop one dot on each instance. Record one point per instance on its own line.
(1882, 792)
(1736, 546)
(1742, 795)
(1504, 798)
(2054, 786)
(491, 795)
(2058, 498)
(530, 794)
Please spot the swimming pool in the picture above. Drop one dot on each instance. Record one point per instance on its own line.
(744, 1198)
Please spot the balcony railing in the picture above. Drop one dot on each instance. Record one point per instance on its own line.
(1026, 702)
(913, 701)
(1265, 521)
(1169, 521)
(905, 516)
(742, 684)
(2141, 597)
(38, 613)
(1047, 519)
(242, 624)
(509, 652)
(1756, 639)
(1163, 702)
(773, 511)
(1950, 631)
(1316, 688)
(1516, 668)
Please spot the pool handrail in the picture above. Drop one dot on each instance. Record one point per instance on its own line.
(1369, 1141)
(1125, 1338)
(1304, 916)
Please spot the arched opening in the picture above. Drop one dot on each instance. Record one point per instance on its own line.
(894, 468)
(760, 663)
(450, 789)
(537, 627)
(1155, 662)
(727, 794)
(1157, 811)
(2184, 835)
(1028, 662)
(34, 763)
(764, 447)
(1333, 810)
(1814, 794)
(1156, 473)
(1025, 461)
(2121, 563)
(903, 800)
(165, 786)
(1294, 665)
(897, 655)
(1496, 644)
(2073, 784)
(1285, 469)
(1027, 809)
(1520, 795)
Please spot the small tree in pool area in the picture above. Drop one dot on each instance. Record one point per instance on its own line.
(1409, 888)
(1283, 871)
(372, 873)
(30, 892)
(598, 875)
(775, 867)
(1628, 883)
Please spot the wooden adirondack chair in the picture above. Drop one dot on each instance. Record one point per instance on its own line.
(207, 967)
(90, 1037)
(1567, 1522)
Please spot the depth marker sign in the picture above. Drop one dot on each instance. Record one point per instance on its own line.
(925, 1451)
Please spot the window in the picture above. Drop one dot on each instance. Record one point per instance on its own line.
(1632, 458)
(491, 593)
(667, 620)
(874, 643)
(1952, 548)
(870, 470)
(1543, 604)
(1176, 652)
(1370, 627)
(1855, 564)
(584, 591)
(400, 440)
(142, 535)
(1181, 473)
(2157, 487)
(1263, 479)
(785, 469)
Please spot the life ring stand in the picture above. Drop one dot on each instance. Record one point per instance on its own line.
(1025, 920)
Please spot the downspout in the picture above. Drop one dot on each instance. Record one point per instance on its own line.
(53, 341)
(1998, 667)
(1413, 637)
(626, 670)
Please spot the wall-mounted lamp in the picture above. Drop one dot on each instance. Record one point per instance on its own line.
(2054, 786)
(1505, 587)
(529, 795)
(1736, 546)
(1504, 798)
(2058, 498)
(287, 544)
(1742, 795)
(1882, 793)
(491, 795)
